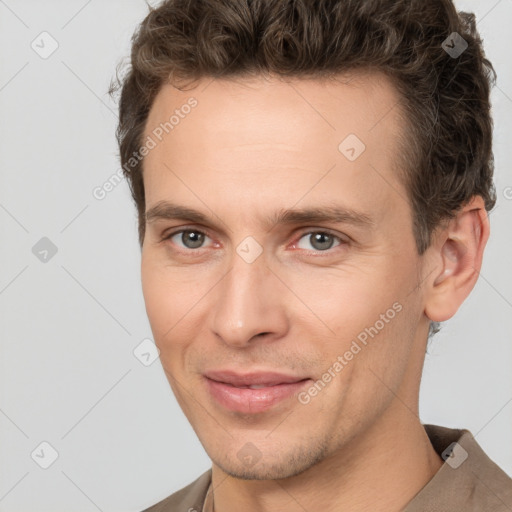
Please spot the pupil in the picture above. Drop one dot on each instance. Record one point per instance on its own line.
(192, 239)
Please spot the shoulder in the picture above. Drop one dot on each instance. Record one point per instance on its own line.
(187, 499)
(468, 480)
(490, 485)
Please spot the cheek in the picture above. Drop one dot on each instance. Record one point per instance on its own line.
(155, 298)
(173, 305)
(358, 316)
(342, 302)
(162, 309)
(164, 299)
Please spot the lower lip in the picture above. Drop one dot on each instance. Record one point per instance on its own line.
(249, 401)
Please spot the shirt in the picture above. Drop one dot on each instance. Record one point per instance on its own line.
(468, 481)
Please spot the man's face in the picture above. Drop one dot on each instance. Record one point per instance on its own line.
(239, 295)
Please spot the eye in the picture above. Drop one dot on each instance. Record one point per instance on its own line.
(321, 241)
(190, 238)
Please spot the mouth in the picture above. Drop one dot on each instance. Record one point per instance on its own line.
(252, 393)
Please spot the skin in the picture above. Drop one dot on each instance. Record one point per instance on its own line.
(250, 148)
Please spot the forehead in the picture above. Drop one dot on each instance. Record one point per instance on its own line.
(289, 139)
(260, 108)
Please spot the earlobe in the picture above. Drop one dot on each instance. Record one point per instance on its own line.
(459, 252)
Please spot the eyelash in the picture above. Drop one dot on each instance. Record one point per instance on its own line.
(314, 252)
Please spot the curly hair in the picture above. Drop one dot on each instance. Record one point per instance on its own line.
(445, 98)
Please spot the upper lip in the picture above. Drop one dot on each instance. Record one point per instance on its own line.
(253, 378)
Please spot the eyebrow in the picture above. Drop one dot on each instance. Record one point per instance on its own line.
(165, 210)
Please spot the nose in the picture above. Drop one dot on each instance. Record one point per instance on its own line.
(249, 304)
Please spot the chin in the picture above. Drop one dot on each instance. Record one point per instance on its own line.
(295, 464)
(261, 473)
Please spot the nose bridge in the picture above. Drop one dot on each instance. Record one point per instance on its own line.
(245, 303)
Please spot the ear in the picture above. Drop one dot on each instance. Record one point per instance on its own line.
(457, 253)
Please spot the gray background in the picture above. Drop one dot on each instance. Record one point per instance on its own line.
(69, 325)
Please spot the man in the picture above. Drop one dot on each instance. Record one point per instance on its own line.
(312, 181)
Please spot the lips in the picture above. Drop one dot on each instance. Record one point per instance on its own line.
(262, 379)
(252, 392)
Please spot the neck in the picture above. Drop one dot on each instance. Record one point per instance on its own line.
(380, 470)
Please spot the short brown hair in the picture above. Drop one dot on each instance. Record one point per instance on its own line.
(447, 157)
